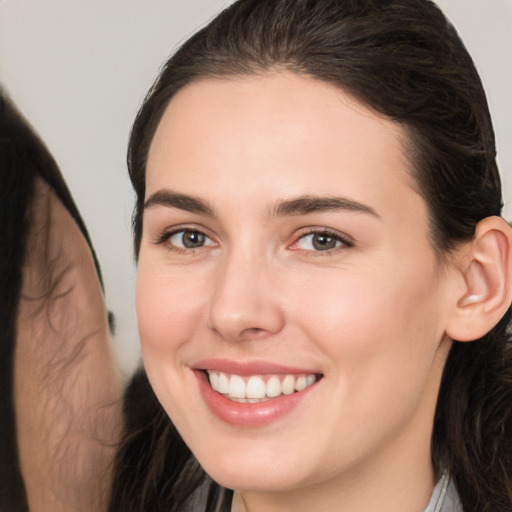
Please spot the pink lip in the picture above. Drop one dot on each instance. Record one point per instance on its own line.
(249, 368)
(244, 414)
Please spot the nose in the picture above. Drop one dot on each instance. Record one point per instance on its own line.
(245, 303)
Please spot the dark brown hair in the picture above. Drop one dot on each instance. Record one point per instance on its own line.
(24, 161)
(403, 59)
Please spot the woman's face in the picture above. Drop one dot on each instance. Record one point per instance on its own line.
(285, 258)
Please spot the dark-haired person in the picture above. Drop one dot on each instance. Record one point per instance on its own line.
(324, 276)
(60, 412)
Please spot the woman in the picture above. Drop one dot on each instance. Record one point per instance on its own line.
(323, 274)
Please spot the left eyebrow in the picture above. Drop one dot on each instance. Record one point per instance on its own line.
(304, 205)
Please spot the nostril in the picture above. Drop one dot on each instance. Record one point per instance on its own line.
(253, 333)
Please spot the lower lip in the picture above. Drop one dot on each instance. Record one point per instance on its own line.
(245, 414)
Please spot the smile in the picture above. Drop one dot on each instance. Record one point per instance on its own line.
(258, 388)
(253, 394)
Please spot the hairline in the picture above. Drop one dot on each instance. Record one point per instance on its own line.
(408, 140)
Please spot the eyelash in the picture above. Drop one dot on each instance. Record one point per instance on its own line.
(346, 242)
(165, 237)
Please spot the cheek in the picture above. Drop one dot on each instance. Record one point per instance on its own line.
(380, 332)
(168, 315)
(168, 310)
(380, 318)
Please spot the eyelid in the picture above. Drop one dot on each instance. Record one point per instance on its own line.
(164, 235)
(346, 240)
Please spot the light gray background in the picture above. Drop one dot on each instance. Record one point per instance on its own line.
(78, 70)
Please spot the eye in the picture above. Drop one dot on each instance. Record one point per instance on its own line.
(321, 241)
(188, 239)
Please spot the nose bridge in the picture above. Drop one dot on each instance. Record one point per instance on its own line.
(244, 304)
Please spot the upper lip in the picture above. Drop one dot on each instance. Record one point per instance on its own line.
(246, 368)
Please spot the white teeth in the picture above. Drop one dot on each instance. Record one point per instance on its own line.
(300, 384)
(273, 387)
(214, 379)
(236, 387)
(223, 384)
(254, 389)
(288, 385)
(246, 400)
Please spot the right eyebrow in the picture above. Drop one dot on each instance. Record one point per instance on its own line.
(305, 205)
(170, 199)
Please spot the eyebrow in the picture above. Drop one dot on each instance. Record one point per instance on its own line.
(312, 204)
(181, 201)
(301, 205)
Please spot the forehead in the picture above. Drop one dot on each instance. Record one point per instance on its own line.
(275, 131)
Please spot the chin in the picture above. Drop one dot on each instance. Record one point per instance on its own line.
(255, 472)
(250, 481)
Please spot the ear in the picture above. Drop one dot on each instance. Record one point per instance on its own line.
(486, 269)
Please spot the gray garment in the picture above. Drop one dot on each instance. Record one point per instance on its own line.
(445, 497)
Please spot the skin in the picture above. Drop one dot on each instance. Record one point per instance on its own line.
(369, 315)
(67, 389)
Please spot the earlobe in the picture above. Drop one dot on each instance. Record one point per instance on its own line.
(487, 274)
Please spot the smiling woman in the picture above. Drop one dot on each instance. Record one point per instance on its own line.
(324, 277)
(313, 282)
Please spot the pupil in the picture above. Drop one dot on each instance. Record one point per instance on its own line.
(323, 242)
(192, 239)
